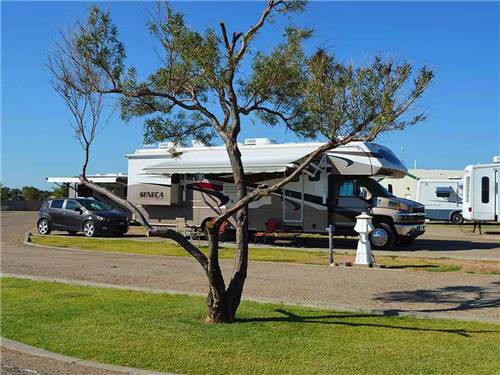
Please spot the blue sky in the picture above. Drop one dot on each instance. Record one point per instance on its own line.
(459, 41)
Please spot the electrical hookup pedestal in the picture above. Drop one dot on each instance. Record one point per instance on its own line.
(330, 230)
(364, 226)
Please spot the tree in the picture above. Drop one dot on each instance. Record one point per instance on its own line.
(16, 194)
(202, 90)
(5, 193)
(31, 193)
(66, 64)
(60, 191)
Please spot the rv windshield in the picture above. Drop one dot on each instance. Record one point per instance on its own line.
(375, 188)
(93, 205)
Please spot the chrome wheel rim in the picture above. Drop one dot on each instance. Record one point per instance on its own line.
(43, 227)
(88, 229)
(379, 237)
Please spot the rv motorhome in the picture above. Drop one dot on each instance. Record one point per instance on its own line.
(442, 198)
(481, 192)
(195, 184)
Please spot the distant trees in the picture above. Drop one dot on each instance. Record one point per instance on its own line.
(30, 193)
(60, 191)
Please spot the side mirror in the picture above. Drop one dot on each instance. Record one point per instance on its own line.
(78, 209)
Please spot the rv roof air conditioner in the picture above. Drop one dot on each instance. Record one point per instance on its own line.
(496, 159)
(166, 145)
(197, 144)
(259, 141)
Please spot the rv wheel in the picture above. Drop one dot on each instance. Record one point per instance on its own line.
(382, 237)
(456, 218)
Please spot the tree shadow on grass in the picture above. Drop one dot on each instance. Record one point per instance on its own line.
(337, 319)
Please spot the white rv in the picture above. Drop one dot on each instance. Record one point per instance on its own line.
(481, 192)
(442, 198)
(195, 184)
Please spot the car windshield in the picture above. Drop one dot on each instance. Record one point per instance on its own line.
(375, 188)
(93, 205)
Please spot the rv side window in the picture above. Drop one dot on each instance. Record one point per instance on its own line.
(443, 192)
(467, 188)
(485, 189)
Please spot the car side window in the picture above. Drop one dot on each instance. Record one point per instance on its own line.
(58, 203)
(72, 205)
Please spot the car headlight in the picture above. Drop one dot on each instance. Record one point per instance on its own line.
(100, 218)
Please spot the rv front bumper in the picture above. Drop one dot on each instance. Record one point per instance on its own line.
(409, 230)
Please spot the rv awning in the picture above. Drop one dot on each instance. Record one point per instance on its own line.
(256, 159)
(98, 179)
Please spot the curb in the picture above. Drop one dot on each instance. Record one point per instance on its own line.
(20, 347)
(329, 306)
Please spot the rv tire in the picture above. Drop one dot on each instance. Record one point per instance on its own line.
(382, 237)
(456, 218)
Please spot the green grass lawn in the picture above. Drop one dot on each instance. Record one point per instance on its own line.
(167, 333)
(172, 249)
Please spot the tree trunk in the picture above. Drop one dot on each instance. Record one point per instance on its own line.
(219, 308)
(86, 161)
(235, 289)
(218, 301)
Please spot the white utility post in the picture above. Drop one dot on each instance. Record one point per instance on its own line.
(364, 227)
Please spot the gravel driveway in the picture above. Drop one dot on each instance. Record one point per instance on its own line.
(471, 297)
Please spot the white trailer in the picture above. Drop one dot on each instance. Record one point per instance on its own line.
(481, 192)
(442, 198)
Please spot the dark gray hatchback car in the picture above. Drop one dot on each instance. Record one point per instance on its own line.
(85, 215)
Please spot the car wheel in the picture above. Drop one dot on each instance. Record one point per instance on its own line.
(382, 236)
(89, 229)
(44, 227)
(72, 232)
(456, 218)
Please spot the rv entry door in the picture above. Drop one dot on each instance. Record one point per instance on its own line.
(484, 194)
(292, 201)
